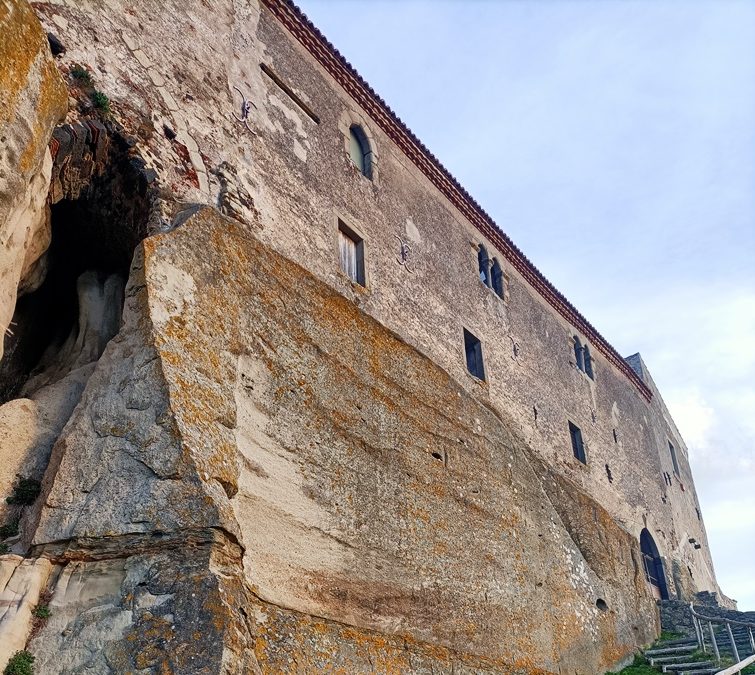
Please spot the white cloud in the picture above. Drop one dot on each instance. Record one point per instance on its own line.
(694, 417)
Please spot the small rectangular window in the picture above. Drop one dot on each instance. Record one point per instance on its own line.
(578, 447)
(351, 253)
(672, 450)
(473, 351)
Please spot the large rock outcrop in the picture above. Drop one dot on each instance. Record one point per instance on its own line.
(326, 495)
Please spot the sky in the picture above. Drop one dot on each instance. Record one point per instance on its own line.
(615, 143)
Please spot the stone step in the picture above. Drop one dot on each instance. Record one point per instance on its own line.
(704, 671)
(695, 665)
(691, 647)
(679, 641)
(675, 658)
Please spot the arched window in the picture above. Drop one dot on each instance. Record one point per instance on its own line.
(359, 150)
(484, 264)
(497, 274)
(588, 362)
(578, 353)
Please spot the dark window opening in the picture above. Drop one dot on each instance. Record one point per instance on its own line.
(588, 362)
(578, 446)
(608, 473)
(437, 456)
(483, 264)
(578, 353)
(473, 352)
(359, 150)
(497, 278)
(698, 513)
(351, 253)
(615, 436)
(534, 410)
(601, 604)
(672, 451)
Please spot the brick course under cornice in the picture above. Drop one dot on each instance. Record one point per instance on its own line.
(331, 60)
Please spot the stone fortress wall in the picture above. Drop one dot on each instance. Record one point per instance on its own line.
(272, 468)
(443, 294)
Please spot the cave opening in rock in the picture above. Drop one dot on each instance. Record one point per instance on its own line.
(77, 298)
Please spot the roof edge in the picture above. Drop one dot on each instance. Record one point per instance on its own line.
(297, 23)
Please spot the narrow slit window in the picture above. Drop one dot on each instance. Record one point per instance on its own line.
(578, 353)
(351, 253)
(473, 352)
(359, 150)
(578, 446)
(672, 452)
(497, 277)
(587, 359)
(483, 264)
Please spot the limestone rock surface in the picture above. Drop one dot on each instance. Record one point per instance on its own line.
(368, 509)
(33, 100)
(21, 584)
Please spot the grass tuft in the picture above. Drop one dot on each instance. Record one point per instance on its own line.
(101, 101)
(639, 667)
(25, 492)
(9, 529)
(82, 75)
(21, 663)
(42, 612)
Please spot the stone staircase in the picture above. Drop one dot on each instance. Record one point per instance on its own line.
(699, 654)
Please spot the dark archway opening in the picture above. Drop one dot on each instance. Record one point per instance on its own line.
(95, 226)
(653, 566)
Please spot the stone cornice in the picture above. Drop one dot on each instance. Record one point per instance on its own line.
(347, 77)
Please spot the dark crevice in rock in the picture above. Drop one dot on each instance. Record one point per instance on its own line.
(103, 200)
(128, 545)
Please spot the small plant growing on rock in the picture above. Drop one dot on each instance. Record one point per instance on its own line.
(82, 75)
(4, 548)
(42, 611)
(21, 663)
(100, 101)
(9, 529)
(24, 492)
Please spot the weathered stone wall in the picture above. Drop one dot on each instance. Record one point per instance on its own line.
(285, 417)
(298, 471)
(676, 615)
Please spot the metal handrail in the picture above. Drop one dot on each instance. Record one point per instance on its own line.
(697, 622)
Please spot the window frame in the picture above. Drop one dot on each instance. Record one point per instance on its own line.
(496, 278)
(674, 458)
(483, 265)
(476, 364)
(351, 117)
(358, 136)
(579, 353)
(578, 443)
(587, 362)
(345, 231)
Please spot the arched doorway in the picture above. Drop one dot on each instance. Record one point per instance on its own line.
(653, 566)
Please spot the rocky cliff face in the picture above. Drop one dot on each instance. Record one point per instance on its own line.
(240, 470)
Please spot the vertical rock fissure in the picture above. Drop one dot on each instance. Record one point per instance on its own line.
(70, 302)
